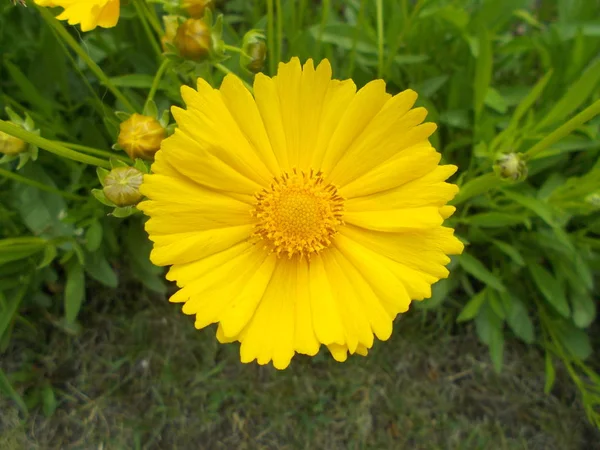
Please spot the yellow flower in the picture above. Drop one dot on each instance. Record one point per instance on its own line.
(310, 214)
(88, 13)
(10, 145)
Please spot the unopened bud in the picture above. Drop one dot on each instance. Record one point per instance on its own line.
(171, 24)
(593, 199)
(122, 186)
(10, 145)
(196, 8)
(141, 136)
(511, 166)
(193, 39)
(257, 54)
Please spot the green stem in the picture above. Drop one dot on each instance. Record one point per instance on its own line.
(159, 74)
(324, 19)
(379, 4)
(279, 29)
(357, 29)
(152, 17)
(71, 42)
(225, 70)
(21, 179)
(94, 151)
(587, 114)
(141, 11)
(271, 38)
(8, 242)
(233, 48)
(50, 146)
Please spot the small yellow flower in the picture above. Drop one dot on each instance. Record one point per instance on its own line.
(122, 186)
(193, 39)
(310, 213)
(140, 136)
(88, 13)
(10, 145)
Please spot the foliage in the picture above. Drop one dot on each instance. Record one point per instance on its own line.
(515, 77)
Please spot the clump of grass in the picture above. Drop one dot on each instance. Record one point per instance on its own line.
(140, 376)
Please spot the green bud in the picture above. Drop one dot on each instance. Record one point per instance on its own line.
(122, 186)
(511, 166)
(254, 51)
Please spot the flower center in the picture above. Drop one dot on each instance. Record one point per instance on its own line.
(299, 214)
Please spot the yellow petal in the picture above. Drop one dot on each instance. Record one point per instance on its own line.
(364, 106)
(379, 319)
(243, 109)
(269, 335)
(405, 166)
(325, 314)
(305, 340)
(237, 315)
(430, 189)
(378, 273)
(287, 83)
(183, 248)
(339, 352)
(396, 219)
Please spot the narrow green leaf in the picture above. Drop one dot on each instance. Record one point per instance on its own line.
(575, 96)
(495, 219)
(10, 392)
(476, 268)
(541, 209)
(50, 253)
(100, 270)
(497, 348)
(473, 306)
(496, 305)
(550, 373)
(528, 101)
(11, 310)
(49, 402)
(74, 290)
(518, 320)
(584, 309)
(550, 288)
(576, 342)
(483, 70)
(509, 250)
(475, 187)
(93, 236)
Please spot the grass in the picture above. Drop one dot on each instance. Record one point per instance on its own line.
(140, 376)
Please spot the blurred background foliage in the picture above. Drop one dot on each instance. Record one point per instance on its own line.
(497, 77)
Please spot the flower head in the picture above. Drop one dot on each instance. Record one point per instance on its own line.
(193, 40)
(122, 186)
(308, 214)
(140, 136)
(10, 145)
(88, 13)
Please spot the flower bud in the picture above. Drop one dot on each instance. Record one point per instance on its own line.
(511, 166)
(171, 24)
(593, 199)
(196, 8)
(122, 186)
(141, 136)
(193, 39)
(257, 54)
(10, 145)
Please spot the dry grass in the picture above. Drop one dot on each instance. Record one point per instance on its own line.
(140, 376)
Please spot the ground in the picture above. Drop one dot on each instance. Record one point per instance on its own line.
(139, 376)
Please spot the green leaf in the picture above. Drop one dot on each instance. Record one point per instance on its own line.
(497, 348)
(550, 373)
(495, 220)
(550, 288)
(509, 250)
(476, 268)
(486, 324)
(496, 304)
(28, 90)
(576, 342)
(10, 392)
(439, 293)
(518, 320)
(99, 195)
(93, 236)
(494, 100)
(575, 96)
(49, 402)
(74, 290)
(475, 187)
(483, 70)
(100, 270)
(9, 312)
(543, 210)
(15, 253)
(50, 253)
(584, 309)
(473, 306)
